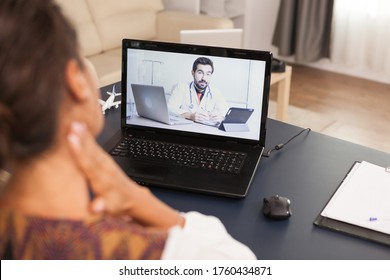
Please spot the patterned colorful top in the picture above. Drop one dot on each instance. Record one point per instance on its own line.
(98, 237)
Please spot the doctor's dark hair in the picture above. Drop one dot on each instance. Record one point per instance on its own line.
(203, 61)
(37, 42)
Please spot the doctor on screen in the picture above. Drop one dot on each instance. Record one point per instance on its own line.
(198, 100)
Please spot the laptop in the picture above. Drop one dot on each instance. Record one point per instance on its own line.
(230, 37)
(215, 162)
(151, 103)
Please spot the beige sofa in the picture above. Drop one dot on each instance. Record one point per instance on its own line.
(101, 25)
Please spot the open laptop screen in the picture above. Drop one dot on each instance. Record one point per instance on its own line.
(200, 83)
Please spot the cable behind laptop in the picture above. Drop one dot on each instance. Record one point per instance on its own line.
(282, 145)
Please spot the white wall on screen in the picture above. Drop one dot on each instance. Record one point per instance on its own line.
(230, 75)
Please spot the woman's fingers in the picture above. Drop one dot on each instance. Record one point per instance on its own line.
(98, 205)
(88, 155)
(115, 193)
(109, 184)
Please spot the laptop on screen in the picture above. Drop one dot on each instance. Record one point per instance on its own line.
(201, 84)
(151, 103)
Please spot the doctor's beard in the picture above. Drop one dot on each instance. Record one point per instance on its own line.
(200, 89)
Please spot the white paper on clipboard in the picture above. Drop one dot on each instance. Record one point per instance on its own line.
(363, 198)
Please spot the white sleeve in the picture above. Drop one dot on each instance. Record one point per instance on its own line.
(203, 237)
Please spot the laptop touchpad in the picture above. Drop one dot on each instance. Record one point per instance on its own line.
(151, 172)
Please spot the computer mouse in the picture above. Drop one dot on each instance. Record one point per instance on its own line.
(277, 207)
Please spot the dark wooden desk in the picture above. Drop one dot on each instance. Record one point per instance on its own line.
(308, 171)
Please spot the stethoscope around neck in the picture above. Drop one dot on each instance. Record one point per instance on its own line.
(191, 106)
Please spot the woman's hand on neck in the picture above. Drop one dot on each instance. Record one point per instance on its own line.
(50, 185)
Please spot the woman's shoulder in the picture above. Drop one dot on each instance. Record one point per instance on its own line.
(96, 237)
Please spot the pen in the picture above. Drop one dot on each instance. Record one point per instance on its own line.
(374, 219)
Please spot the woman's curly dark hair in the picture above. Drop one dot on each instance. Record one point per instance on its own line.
(36, 42)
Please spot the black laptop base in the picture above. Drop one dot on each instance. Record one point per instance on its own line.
(156, 174)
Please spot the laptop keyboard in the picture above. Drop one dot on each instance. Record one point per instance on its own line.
(184, 155)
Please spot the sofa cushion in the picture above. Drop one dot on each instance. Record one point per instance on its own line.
(108, 66)
(118, 19)
(78, 13)
(103, 8)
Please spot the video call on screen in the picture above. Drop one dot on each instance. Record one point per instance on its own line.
(241, 82)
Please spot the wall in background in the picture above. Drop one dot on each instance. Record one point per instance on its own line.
(259, 25)
(258, 19)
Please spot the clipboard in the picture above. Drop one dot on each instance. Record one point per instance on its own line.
(350, 226)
